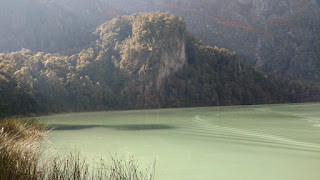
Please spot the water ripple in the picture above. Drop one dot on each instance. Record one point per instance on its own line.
(199, 126)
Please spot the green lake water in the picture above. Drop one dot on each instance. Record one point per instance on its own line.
(265, 142)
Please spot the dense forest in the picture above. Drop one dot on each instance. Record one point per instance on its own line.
(146, 60)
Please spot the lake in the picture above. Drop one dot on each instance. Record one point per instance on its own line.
(265, 142)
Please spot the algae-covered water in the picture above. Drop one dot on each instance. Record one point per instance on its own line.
(265, 142)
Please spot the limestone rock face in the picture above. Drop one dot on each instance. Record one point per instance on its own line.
(172, 60)
(149, 67)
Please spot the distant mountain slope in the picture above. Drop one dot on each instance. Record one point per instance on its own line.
(41, 25)
(139, 61)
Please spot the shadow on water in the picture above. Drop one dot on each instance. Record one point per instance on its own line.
(125, 127)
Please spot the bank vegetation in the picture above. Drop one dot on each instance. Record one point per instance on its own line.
(22, 156)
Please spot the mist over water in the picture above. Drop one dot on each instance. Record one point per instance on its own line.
(235, 142)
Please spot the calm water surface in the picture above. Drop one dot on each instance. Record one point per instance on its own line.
(265, 142)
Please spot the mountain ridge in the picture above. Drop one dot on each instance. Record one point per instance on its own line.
(278, 37)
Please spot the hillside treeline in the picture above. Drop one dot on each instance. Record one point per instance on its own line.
(140, 61)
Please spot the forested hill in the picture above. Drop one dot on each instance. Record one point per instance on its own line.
(144, 60)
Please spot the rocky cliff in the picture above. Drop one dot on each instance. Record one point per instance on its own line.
(154, 49)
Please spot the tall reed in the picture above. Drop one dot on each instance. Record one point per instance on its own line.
(20, 149)
(21, 156)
